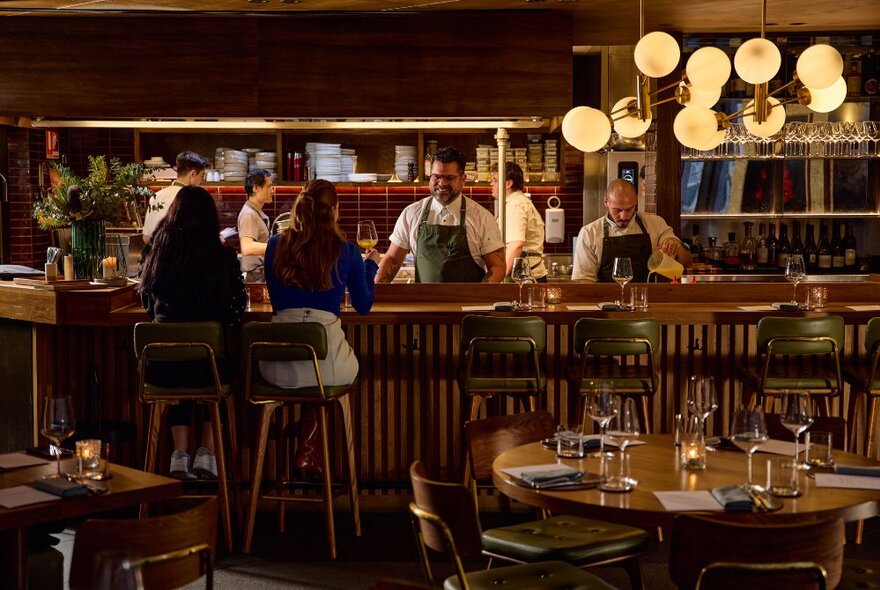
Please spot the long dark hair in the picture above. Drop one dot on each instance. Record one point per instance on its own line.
(186, 248)
(310, 247)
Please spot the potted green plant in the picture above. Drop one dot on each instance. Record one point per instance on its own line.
(86, 204)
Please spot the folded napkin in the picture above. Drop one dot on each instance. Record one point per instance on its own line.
(786, 306)
(561, 474)
(857, 470)
(609, 306)
(733, 498)
(61, 487)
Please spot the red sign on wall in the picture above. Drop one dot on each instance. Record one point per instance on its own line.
(52, 149)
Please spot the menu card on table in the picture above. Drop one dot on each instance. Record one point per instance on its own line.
(857, 482)
(677, 501)
(22, 496)
(18, 460)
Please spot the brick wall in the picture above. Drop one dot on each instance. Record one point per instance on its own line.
(26, 156)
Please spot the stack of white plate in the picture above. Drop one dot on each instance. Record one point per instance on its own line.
(156, 162)
(220, 158)
(403, 156)
(347, 162)
(235, 165)
(362, 177)
(268, 161)
(325, 158)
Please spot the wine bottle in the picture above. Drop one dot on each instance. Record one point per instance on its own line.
(772, 247)
(748, 254)
(838, 257)
(797, 246)
(849, 250)
(811, 253)
(761, 247)
(824, 249)
(696, 245)
(784, 248)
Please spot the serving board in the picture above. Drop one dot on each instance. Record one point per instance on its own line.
(57, 285)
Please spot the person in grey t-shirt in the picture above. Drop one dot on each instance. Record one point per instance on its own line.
(253, 224)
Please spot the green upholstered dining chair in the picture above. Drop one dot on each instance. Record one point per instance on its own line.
(584, 542)
(445, 520)
(863, 377)
(281, 341)
(188, 342)
(620, 352)
(796, 354)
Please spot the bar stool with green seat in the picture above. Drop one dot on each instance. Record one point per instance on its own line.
(603, 348)
(189, 342)
(796, 354)
(281, 341)
(864, 378)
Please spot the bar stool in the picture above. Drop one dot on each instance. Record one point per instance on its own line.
(266, 341)
(788, 349)
(189, 342)
(601, 347)
(864, 378)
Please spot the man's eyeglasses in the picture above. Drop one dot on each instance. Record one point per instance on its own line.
(449, 178)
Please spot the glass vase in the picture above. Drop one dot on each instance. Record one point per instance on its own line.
(87, 244)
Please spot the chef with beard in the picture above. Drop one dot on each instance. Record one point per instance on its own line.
(452, 237)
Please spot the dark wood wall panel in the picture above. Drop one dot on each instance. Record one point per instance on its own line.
(438, 65)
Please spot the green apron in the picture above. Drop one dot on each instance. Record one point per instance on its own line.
(443, 254)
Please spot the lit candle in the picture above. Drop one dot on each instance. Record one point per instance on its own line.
(693, 454)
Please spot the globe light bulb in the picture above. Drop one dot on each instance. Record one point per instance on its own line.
(629, 125)
(775, 119)
(704, 97)
(695, 126)
(757, 61)
(586, 128)
(825, 100)
(657, 54)
(708, 67)
(819, 66)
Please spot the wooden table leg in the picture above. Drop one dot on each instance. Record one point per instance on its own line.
(13, 558)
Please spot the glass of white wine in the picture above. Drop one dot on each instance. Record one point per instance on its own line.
(58, 423)
(622, 274)
(367, 238)
(795, 273)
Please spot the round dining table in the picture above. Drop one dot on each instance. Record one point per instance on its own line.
(655, 466)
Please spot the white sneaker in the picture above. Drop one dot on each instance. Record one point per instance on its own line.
(205, 464)
(180, 465)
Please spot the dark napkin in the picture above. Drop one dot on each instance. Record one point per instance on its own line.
(608, 306)
(786, 306)
(552, 477)
(61, 487)
(857, 470)
(733, 498)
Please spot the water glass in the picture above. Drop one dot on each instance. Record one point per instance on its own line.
(537, 297)
(782, 477)
(638, 298)
(615, 473)
(346, 301)
(570, 441)
(820, 450)
(817, 297)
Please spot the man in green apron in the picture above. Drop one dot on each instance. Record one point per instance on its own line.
(623, 232)
(452, 237)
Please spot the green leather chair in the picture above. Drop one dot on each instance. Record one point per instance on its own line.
(864, 378)
(796, 354)
(583, 542)
(613, 350)
(267, 341)
(188, 342)
(485, 342)
(445, 520)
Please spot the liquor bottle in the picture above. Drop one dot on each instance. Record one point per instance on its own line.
(761, 247)
(811, 253)
(696, 245)
(748, 250)
(838, 257)
(772, 247)
(824, 249)
(784, 248)
(714, 253)
(854, 75)
(849, 249)
(731, 252)
(797, 246)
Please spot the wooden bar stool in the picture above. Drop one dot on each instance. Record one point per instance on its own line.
(189, 342)
(864, 379)
(266, 341)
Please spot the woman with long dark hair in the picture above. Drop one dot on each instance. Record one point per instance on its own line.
(190, 276)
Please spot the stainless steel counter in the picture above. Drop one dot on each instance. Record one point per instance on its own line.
(777, 278)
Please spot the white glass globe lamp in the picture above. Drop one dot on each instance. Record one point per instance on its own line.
(629, 125)
(825, 100)
(714, 141)
(775, 119)
(819, 66)
(695, 126)
(702, 96)
(657, 54)
(757, 61)
(586, 128)
(708, 67)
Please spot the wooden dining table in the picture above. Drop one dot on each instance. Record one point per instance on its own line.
(656, 467)
(127, 487)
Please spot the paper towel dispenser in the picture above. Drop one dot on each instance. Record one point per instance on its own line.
(554, 221)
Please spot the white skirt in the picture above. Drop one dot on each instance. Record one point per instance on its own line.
(339, 368)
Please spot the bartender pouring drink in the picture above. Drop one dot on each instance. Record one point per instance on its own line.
(453, 238)
(623, 232)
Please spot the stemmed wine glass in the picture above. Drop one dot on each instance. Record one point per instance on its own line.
(701, 399)
(795, 273)
(622, 274)
(367, 238)
(57, 424)
(796, 416)
(749, 431)
(521, 273)
(603, 407)
(623, 429)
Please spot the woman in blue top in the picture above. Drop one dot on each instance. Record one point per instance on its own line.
(308, 267)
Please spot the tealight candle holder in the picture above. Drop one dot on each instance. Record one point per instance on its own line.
(88, 454)
(553, 295)
(692, 452)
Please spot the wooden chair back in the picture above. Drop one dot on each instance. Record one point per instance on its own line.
(192, 526)
(490, 437)
(832, 424)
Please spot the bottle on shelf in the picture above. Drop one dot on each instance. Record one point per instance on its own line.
(761, 252)
(696, 245)
(811, 252)
(784, 248)
(824, 249)
(713, 252)
(849, 250)
(772, 247)
(854, 75)
(838, 257)
(797, 246)
(731, 252)
(748, 250)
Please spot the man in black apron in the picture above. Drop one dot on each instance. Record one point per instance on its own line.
(623, 232)
(443, 244)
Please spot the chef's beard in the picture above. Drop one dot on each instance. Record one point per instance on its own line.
(444, 197)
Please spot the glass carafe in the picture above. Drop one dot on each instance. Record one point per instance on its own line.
(748, 250)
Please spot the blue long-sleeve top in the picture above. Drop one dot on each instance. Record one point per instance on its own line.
(353, 272)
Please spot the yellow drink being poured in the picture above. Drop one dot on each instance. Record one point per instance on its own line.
(665, 265)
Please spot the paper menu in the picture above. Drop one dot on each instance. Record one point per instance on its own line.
(18, 460)
(857, 482)
(22, 496)
(678, 501)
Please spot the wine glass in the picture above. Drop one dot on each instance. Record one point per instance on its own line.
(603, 407)
(622, 429)
(521, 273)
(749, 431)
(367, 238)
(701, 399)
(797, 417)
(57, 424)
(622, 274)
(795, 273)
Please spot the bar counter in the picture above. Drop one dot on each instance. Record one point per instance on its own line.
(408, 405)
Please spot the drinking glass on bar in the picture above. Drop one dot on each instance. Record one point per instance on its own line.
(58, 423)
(367, 238)
(795, 273)
(749, 431)
(622, 274)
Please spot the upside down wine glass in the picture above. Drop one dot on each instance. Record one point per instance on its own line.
(57, 424)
